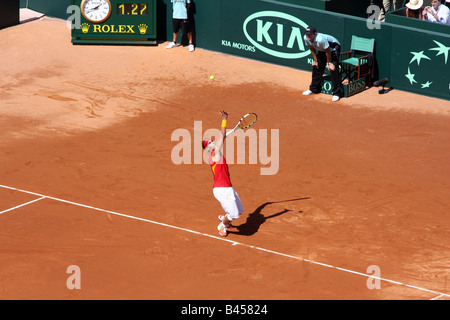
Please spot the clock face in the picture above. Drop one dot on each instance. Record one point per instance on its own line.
(96, 11)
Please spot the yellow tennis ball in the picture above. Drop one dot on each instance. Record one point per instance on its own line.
(211, 77)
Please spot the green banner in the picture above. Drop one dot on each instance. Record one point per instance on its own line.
(422, 65)
(273, 32)
(412, 54)
(270, 32)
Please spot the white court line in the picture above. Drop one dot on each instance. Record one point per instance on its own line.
(435, 298)
(22, 205)
(439, 294)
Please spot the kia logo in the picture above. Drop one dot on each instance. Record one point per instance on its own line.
(277, 34)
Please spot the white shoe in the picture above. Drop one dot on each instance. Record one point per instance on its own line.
(171, 45)
(191, 48)
(335, 98)
(221, 218)
(222, 229)
(308, 92)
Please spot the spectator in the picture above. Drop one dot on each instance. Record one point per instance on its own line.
(386, 6)
(437, 13)
(414, 9)
(325, 50)
(180, 21)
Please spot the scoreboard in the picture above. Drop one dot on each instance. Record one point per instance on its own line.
(116, 22)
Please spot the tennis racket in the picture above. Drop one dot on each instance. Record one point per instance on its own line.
(246, 121)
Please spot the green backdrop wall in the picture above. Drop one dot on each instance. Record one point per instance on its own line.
(412, 54)
(53, 8)
(413, 58)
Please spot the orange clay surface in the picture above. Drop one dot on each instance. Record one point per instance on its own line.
(362, 182)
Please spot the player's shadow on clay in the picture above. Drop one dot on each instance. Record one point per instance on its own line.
(256, 219)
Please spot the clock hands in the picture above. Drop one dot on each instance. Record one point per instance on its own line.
(93, 9)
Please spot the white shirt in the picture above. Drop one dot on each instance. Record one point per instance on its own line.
(180, 9)
(443, 13)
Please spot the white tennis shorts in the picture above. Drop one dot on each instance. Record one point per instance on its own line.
(230, 201)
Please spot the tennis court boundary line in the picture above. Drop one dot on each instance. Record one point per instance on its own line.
(22, 205)
(234, 243)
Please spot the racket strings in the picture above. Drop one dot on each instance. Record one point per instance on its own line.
(247, 121)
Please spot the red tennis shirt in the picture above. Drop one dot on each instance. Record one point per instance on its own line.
(220, 172)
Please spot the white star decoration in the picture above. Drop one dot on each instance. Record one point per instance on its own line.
(417, 56)
(426, 85)
(441, 50)
(410, 77)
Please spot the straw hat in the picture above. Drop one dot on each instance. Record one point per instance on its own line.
(414, 4)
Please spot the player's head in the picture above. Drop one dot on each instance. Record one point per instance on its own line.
(208, 144)
(310, 33)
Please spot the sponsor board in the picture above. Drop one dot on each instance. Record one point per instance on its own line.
(267, 35)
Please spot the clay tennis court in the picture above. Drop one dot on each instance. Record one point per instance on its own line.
(87, 179)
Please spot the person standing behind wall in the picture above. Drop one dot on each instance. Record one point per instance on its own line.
(386, 6)
(437, 13)
(180, 21)
(414, 9)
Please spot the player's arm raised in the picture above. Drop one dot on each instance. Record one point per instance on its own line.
(223, 130)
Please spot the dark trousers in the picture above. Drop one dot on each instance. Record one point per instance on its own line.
(317, 73)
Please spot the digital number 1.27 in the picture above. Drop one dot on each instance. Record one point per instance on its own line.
(132, 9)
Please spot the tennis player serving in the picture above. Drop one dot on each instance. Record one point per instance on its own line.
(222, 188)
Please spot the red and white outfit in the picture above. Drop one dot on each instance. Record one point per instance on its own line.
(223, 190)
